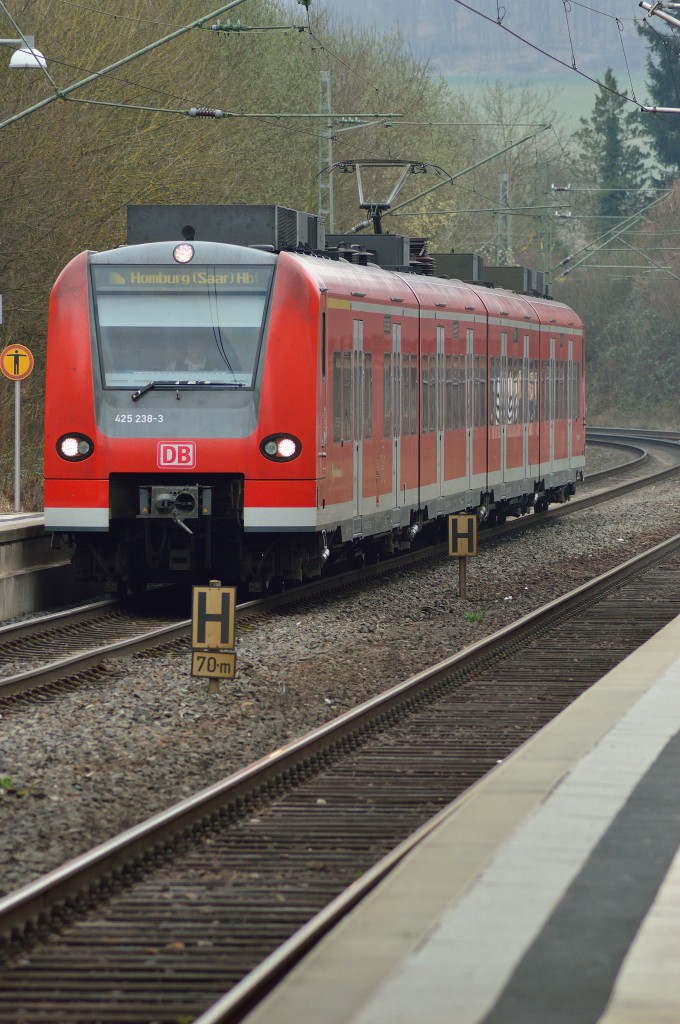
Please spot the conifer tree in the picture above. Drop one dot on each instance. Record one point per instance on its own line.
(663, 82)
(610, 153)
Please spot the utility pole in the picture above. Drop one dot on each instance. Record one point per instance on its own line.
(325, 166)
(503, 223)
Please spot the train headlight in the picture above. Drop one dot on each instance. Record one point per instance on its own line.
(75, 447)
(183, 253)
(280, 447)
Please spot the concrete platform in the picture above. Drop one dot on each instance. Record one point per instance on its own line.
(549, 893)
(33, 576)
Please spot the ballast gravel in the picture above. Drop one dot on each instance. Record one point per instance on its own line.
(82, 767)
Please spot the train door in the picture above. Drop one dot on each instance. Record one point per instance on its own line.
(505, 399)
(533, 403)
(569, 398)
(358, 470)
(441, 334)
(576, 438)
(396, 411)
(551, 400)
(524, 405)
(322, 471)
(469, 404)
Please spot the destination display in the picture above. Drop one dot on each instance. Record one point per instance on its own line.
(159, 278)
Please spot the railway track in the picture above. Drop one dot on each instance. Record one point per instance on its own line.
(225, 890)
(61, 647)
(65, 648)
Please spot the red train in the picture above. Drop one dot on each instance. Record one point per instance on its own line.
(218, 410)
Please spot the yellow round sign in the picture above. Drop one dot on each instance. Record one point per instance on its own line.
(16, 362)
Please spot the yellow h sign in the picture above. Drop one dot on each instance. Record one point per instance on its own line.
(462, 536)
(212, 620)
(212, 632)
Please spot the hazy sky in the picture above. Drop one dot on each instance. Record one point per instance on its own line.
(467, 48)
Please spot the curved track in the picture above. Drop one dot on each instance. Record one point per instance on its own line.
(65, 647)
(211, 891)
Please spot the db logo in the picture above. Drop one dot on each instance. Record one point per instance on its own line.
(177, 454)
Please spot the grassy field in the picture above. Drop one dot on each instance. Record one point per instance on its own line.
(572, 96)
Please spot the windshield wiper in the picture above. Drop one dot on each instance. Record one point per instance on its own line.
(173, 385)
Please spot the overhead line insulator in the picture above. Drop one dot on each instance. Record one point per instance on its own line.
(206, 112)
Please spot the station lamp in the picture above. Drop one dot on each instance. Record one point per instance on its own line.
(25, 54)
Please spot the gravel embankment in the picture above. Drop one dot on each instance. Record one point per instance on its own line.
(80, 768)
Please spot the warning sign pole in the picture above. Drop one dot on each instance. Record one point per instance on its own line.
(16, 363)
(462, 542)
(17, 446)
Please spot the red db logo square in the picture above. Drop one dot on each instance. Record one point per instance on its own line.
(179, 454)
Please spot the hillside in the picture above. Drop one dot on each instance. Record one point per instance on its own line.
(459, 42)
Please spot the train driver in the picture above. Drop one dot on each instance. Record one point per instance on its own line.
(195, 357)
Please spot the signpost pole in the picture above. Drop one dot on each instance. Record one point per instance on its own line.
(462, 542)
(16, 363)
(17, 446)
(462, 577)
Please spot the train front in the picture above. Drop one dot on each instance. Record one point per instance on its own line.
(174, 438)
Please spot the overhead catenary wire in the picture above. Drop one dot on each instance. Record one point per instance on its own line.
(553, 57)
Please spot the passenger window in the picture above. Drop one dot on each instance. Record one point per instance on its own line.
(387, 395)
(368, 395)
(337, 396)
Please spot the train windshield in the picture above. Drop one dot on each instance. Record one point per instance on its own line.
(168, 323)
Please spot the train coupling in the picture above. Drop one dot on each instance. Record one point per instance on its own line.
(176, 503)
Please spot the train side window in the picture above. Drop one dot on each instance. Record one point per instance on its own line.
(456, 330)
(545, 413)
(462, 392)
(449, 392)
(358, 342)
(424, 397)
(337, 396)
(396, 395)
(440, 378)
(567, 381)
(481, 393)
(347, 396)
(358, 395)
(387, 395)
(440, 391)
(469, 378)
(404, 395)
(533, 390)
(525, 390)
(368, 395)
(492, 391)
(432, 381)
(515, 390)
(414, 394)
(565, 370)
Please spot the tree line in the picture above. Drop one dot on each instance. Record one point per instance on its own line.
(626, 283)
(71, 168)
